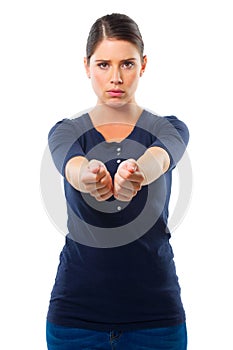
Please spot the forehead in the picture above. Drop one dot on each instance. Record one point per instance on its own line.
(109, 49)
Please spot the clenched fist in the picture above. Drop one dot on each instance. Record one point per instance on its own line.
(96, 180)
(128, 180)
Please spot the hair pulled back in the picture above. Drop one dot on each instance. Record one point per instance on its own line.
(115, 26)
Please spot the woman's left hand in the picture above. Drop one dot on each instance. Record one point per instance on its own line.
(128, 180)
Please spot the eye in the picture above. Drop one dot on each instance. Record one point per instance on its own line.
(103, 65)
(128, 65)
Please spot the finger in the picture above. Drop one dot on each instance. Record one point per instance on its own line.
(97, 172)
(89, 179)
(94, 166)
(94, 186)
(124, 197)
(131, 165)
(103, 174)
(103, 186)
(124, 173)
(130, 176)
(135, 185)
(102, 195)
(136, 177)
(129, 185)
(101, 192)
(126, 189)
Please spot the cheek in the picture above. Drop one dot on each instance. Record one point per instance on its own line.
(133, 80)
(97, 79)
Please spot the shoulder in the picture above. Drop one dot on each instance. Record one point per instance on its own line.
(171, 124)
(76, 125)
(156, 119)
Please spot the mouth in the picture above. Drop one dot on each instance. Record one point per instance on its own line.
(115, 92)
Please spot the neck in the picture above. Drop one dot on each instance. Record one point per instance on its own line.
(128, 114)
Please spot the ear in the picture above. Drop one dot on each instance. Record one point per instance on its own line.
(87, 67)
(143, 67)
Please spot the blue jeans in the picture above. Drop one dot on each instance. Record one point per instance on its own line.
(65, 338)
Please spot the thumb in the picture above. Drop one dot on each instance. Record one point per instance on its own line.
(94, 166)
(131, 165)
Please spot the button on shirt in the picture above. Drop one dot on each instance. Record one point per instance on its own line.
(116, 269)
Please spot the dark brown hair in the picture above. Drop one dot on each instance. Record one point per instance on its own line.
(115, 26)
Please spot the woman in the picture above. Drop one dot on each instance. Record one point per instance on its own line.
(116, 285)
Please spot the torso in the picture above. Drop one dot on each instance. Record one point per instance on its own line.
(116, 270)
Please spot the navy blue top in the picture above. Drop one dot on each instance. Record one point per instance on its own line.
(116, 269)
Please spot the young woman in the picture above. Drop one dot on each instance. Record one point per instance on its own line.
(116, 285)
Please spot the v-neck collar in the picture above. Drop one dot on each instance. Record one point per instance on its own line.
(125, 138)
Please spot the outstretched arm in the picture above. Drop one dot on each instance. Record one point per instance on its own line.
(153, 163)
(132, 175)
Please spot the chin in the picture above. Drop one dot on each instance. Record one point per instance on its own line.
(116, 103)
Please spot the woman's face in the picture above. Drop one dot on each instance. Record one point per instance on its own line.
(114, 70)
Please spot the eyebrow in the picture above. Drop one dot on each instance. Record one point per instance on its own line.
(126, 59)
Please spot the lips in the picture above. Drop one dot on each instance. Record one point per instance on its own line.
(115, 92)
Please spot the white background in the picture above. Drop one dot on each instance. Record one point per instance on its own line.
(189, 74)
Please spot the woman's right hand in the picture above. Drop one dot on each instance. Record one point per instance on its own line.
(96, 180)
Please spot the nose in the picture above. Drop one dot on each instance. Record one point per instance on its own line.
(116, 77)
